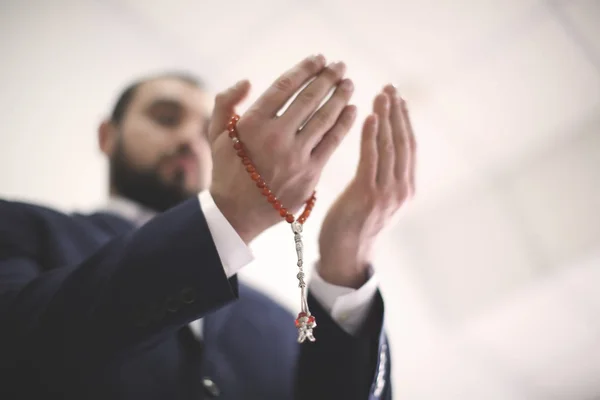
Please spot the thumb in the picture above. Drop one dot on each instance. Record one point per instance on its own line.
(225, 103)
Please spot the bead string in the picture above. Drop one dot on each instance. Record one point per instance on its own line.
(305, 322)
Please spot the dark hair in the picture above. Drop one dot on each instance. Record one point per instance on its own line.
(127, 95)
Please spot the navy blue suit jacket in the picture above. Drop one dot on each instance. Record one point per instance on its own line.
(91, 308)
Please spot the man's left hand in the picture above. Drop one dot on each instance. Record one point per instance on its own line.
(384, 181)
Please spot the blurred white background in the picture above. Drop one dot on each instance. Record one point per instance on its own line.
(490, 276)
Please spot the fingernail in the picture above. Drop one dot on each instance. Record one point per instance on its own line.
(395, 96)
(351, 111)
(337, 66)
(391, 89)
(318, 58)
(372, 119)
(346, 85)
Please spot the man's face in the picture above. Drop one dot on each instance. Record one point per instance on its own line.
(161, 155)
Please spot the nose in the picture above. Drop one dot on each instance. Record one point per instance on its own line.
(192, 142)
(188, 133)
(191, 135)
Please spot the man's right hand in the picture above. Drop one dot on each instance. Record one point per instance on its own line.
(288, 158)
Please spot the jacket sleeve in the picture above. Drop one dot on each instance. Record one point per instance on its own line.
(136, 288)
(343, 366)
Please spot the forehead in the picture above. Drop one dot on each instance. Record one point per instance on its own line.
(189, 96)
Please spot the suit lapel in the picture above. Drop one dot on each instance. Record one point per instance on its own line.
(112, 222)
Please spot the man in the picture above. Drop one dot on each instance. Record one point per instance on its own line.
(141, 300)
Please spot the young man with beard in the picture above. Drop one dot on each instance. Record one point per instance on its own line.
(140, 300)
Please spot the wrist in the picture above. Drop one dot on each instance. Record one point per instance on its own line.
(341, 271)
(241, 220)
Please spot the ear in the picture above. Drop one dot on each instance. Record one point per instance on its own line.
(107, 137)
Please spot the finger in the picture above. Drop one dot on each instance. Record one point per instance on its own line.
(332, 139)
(412, 145)
(367, 165)
(225, 103)
(399, 135)
(385, 145)
(279, 93)
(324, 119)
(308, 100)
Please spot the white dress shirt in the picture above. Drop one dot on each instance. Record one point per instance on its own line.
(347, 306)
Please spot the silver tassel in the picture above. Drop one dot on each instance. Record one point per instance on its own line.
(305, 321)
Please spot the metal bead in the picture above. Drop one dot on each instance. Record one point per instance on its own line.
(296, 227)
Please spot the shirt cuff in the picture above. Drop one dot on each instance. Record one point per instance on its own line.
(233, 251)
(347, 306)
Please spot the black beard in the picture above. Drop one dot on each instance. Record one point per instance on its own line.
(145, 186)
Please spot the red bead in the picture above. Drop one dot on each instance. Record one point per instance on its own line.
(301, 314)
(235, 117)
(261, 184)
(311, 319)
(297, 323)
